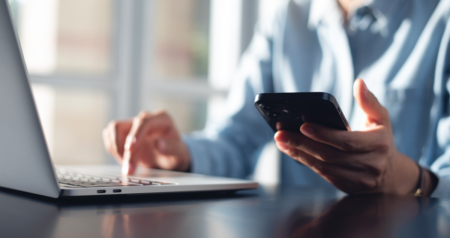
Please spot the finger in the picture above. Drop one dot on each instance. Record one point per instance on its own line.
(145, 124)
(352, 141)
(168, 146)
(120, 132)
(318, 166)
(375, 112)
(129, 163)
(113, 147)
(320, 151)
(343, 178)
(109, 141)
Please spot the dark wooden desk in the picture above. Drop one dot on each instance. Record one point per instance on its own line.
(281, 212)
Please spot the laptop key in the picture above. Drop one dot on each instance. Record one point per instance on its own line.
(79, 179)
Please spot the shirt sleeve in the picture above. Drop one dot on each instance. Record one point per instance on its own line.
(441, 167)
(229, 142)
(438, 151)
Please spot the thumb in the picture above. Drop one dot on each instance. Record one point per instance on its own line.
(168, 146)
(375, 112)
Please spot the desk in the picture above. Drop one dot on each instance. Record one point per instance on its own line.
(265, 212)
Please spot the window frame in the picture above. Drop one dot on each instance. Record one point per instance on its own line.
(130, 77)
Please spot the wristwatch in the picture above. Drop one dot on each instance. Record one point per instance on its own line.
(419, 190)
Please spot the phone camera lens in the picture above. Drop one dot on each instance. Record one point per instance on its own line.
(268, 107)
(273, 115)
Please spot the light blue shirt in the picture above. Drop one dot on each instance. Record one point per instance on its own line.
(399, 47)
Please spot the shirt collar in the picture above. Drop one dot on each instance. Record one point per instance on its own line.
(328, 11)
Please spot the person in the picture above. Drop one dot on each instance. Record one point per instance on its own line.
(399, 114)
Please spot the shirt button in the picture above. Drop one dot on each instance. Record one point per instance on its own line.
(447, 72)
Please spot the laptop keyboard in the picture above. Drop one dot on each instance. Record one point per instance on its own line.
(77, 179)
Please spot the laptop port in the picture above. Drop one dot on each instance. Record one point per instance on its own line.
(117, 190)
(101, 191)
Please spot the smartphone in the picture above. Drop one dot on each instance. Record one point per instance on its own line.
(294, 109)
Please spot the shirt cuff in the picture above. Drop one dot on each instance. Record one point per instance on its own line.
(200, 164)
(442, 189)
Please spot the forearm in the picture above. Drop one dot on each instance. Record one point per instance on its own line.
(406, 178)
(221, 156)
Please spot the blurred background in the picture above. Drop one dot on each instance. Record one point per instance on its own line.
(94, 61)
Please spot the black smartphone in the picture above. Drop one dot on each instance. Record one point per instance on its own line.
(294, 109)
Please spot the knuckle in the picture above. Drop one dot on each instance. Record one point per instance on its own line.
(320, 168)
(323, 155)
(141, 118)
(379, 168)
(105, 134)
(111, 128)
(369, 183)
(377, 171)
(294, 140)
(296, 154)
(384, 148)
(115, 128)
(111, 124)
(161, 112)
(143, 114)
(373, 167)
(300, 155)
(316, 166)
(350, 144)
(164, 114)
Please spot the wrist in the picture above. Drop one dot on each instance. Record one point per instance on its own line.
(408, 177)
(404, 175)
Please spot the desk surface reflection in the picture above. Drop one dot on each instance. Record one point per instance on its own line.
(265, 212)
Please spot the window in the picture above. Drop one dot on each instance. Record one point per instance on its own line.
(94, 61)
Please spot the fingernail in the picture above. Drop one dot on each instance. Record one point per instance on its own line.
(129, 143)
(282, 138)
(162, 145)
(279, 125)
(365, 89)
(125, 168)
(307, 130)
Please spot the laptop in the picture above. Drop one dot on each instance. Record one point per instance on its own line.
(137, 216)
(25, 162)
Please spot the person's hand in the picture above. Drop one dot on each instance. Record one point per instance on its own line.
(150, 140)
(356, 162)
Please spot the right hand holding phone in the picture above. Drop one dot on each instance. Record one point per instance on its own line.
(149, 139)
(356, 162)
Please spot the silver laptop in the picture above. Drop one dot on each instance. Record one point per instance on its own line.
(25, 162)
